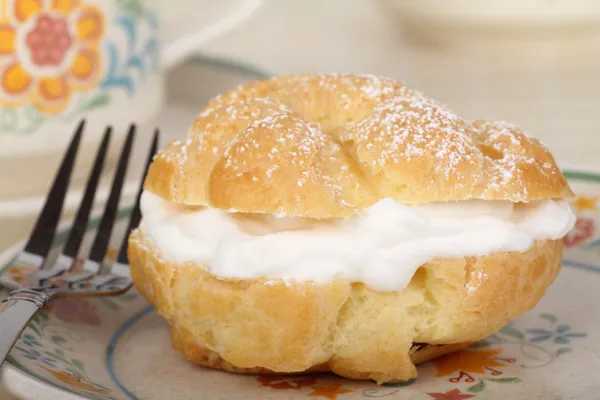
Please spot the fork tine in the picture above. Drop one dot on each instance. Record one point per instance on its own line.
(100, 244)
(40, 241)
(83, 213)
(136, 215)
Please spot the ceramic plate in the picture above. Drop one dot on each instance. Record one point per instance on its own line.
(118, 348)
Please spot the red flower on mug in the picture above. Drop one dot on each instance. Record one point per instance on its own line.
(48, 50)
(583, 230)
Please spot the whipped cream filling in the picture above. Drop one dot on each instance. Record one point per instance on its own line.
(381, 247)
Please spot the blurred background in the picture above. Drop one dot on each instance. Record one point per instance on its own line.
(535, 63)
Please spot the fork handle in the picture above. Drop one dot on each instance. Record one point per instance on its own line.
(15, 313)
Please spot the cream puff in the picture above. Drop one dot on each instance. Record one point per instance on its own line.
(344, 223)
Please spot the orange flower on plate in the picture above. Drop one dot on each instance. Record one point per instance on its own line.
(48, 50)
(75, 381)
(470, 362)
(584, 203)
(330, 392)
(21, 274)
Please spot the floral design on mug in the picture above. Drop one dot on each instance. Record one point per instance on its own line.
(50, 50)
(62, 59)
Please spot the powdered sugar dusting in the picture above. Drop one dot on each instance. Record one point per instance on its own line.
(479, 277)
(281, 140)
(177, 153)
(410, 126)
(339, 131)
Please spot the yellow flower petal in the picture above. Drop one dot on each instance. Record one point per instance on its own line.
(53, 88)
(90, 24)
(8, 38)
(15, 80)
(52, 94)
(24, 9)
(85, 66)
(64, 6)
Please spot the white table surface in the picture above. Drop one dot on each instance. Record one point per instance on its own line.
(553, 92)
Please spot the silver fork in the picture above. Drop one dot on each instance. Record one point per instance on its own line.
(63, 277)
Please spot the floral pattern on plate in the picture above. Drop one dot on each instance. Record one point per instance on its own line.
(480, 366)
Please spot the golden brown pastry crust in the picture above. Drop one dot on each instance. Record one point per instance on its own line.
(265, 325)
(326, 146)
(330, 145)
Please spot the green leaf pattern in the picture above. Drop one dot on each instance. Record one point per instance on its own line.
(504, 380)
(549, 317)
(509, 330)
(134, 7)
(563, 350)
(478, 387)
(78, 364)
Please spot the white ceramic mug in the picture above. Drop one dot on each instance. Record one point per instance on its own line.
(102, 60)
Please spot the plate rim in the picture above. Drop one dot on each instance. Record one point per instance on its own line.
(33, 387)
